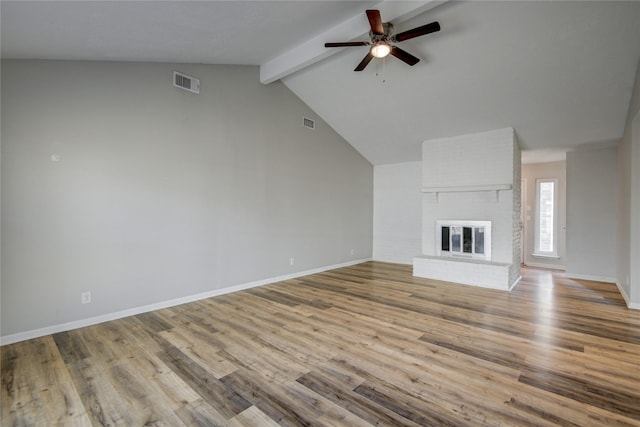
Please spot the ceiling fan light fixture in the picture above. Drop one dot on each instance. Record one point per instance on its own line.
(380, 49)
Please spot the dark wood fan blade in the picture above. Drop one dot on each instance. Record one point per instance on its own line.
(417, 32)
(403, 55)
(341, 44)
(375, 21)
(364, 62)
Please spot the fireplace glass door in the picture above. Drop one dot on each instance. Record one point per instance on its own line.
(465, 241)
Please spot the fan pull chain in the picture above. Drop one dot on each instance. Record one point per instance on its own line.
(384, 68)
(384, 62)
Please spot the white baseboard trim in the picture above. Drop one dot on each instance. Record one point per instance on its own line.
(590, 277)
(627, 300)
(513, 285)
(623, 292)
(54, 329)
(542, 265)
(392, 261)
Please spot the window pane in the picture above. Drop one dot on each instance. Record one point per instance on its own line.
(545, 216)
(479, 240)
(456, 239)
(467, 240)
(445, 238)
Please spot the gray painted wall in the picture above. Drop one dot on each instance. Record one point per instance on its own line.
(634, 229)
(592, 214)
(629, 202)
(160, 193)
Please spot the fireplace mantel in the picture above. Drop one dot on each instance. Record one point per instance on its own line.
(467, 188)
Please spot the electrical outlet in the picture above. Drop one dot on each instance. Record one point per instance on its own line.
(85, 297)
(352, 252)
(291, 261)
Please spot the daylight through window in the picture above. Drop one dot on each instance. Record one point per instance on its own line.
(546, 217)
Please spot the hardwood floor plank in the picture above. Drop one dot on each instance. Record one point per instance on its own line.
(581, 390)
(541, 414)
(362, 345)
(200, 414)
(102, 402)
(71, 347)
(252, 417)
(204, 353)
(358, 404)
(279, 297)
(494, 355)
(420, 416)
(106, 344)
(585, 366)
(151, 405)
(259, 355)
(561, 409)
(154, 321)
(327, 413)
(260, 393)
(199, 318)
(443, 392)
(36, 387)
(224, 400)
(613, 351)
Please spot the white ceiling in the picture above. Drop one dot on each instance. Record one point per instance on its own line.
(208, 32)
(560, 73)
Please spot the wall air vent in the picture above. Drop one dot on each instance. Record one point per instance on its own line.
(308, 123)
(186, 82)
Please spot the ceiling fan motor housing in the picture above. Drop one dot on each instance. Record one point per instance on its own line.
(388, 32)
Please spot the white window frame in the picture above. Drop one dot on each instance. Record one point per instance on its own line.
(537, 251)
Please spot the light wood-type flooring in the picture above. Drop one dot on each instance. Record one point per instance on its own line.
(357, 346)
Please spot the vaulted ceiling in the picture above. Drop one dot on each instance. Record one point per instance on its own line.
(560, 72)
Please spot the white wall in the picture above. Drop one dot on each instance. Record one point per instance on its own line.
(592, 214)
(397, 212)
(628, 266)
(531, 172)
(160, 193)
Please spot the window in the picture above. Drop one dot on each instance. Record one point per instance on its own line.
(546, 217)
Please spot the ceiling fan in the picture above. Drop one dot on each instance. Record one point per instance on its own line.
(382, 39)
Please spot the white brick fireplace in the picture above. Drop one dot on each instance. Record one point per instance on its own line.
(471, 184)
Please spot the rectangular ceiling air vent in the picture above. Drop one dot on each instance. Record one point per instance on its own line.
(308, 123)
(186, 82)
